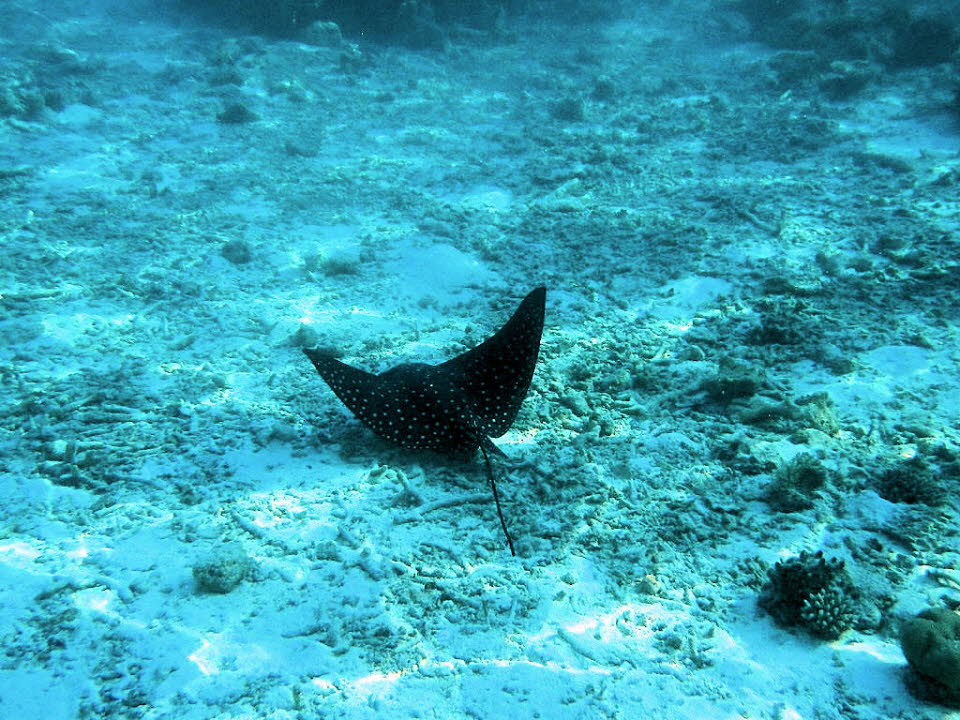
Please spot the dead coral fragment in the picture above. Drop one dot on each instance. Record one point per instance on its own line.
(237, 114)
(733, 380)
(223, 570)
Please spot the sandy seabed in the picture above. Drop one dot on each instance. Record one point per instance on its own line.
(739, 274)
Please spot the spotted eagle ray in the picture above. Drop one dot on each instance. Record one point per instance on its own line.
(454, 407)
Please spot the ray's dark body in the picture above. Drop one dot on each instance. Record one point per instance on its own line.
(453, 407)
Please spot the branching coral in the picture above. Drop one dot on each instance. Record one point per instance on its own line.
(912, 482)
(811, 592)
(796, 483)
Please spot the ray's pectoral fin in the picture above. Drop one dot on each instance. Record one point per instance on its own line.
(497, 373)
(487, 444)
(353, 386)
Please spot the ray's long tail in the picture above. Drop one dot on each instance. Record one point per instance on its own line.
(496, 498)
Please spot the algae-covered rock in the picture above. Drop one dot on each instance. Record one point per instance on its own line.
(931, 644)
